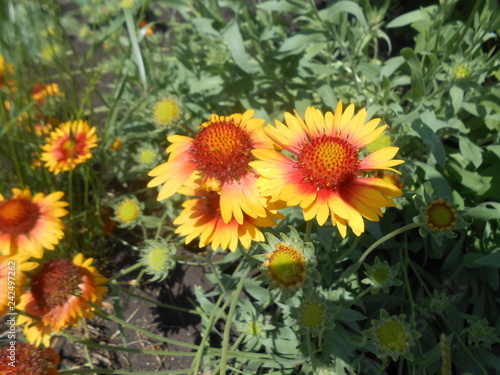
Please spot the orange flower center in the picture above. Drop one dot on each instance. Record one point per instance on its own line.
(287, 265)
(55, 282)
(71, 147)
(222, 150)
(18, 216)
(440, 215)
(328, 161)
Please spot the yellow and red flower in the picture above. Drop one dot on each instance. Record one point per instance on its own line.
(12, 281)
(220, 155)
(325, 172)
(69, 145)
(6, 73)
(42, 91)
(202, 218)
(28, 360)
(30, 224)
(60, 294)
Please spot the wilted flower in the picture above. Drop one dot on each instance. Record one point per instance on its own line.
(26, 359)
(60, 294)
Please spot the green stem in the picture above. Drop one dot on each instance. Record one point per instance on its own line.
(103, 314)
(310, 352)
(229, 320)
(125, 271)
(308, 230)
(353, 268)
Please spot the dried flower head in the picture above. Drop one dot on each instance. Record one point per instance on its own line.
(60, 294)
(26, 359)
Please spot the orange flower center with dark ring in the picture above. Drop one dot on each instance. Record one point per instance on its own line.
(222, 150)
(328, 162)
(55, 282)
(70, 147)
(287, 265)
(440, 215)
(18, 216)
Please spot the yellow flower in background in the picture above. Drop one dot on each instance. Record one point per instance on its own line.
(12, 281)
(30, 224)
(325, 172)
(202, 218)
(42, 91)
(219, 154)
(166, 112)
(69, 145)
(6, 73)
(60, 294)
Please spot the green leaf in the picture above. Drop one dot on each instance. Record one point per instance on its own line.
(344, 6)
(470, 151)
(285, 6)
(236, 45)
(417, 80)
(485, 211)
(473, 180)
(298, 42)
(391, 65)
(328, 96)
(432, 141)
(406, 19)
(457, 98)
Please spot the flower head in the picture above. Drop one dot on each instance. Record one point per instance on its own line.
(312, 315)
(42, 91)
(147, 156)
(325, 173)
(6, 73)
(219, 154)
(30, 224)
(158, 258)
(437, 217)
(27, 360)
(60, 294)
(252, 324)
(288, 261)
(479, 332)
(116, 144)
(202, 218)
(128, 211)
(68, 146)
(392, 336)
(381, 276)
(461, 72)
(167, 112)
(12, 281)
